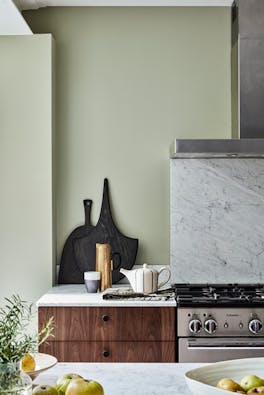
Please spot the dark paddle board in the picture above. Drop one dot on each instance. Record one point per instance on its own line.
(124, 248)
(69, 272)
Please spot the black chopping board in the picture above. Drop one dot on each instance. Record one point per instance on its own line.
(123, 248)
(69, 272)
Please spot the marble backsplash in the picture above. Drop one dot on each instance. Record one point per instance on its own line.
(217, 220)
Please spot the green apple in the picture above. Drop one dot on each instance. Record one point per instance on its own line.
(63, 382)
(256, 390)
(229, 385)
(84, 387)
(44, 389)
(251, 381)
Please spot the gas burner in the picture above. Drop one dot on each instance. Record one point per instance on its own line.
(219, 294)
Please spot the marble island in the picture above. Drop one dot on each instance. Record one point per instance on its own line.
(127, 378)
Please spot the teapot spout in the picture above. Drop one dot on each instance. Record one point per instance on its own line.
(130, 275)
(124, 271)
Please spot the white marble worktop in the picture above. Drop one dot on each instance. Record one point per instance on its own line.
(76, 295)
(127, 378)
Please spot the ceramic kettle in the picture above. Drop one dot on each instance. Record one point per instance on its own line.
(145, 280)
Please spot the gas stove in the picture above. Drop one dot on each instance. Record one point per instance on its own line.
(219, 321)
(204, 295)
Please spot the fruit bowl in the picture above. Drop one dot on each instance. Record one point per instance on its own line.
(43, 362)
(202, 381)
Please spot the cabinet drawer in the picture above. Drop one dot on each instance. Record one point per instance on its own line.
(111, 351)
(110, 323)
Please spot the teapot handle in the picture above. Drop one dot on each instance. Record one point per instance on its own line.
(162, 270)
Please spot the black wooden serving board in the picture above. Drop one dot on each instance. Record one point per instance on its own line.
(69, 272)
(123, 248)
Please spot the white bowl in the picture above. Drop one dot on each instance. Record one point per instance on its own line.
(202, 381)
(43, 362)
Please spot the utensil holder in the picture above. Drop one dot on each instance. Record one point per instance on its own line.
(104, 265)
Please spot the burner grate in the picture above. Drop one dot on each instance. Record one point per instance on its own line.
(219, 294)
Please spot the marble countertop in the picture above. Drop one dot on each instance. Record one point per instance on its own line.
(127, 378)
(76, 295)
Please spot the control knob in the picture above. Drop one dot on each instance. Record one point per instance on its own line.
(255, 326)
(195, 326)
(210, 326)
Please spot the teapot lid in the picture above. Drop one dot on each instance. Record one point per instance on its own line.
(147, 267)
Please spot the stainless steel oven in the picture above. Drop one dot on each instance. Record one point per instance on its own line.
(216, 323)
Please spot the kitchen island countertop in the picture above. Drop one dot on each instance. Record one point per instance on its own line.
(76, 295)
(127, 378)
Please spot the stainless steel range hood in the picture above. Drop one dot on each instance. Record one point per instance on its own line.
(225, 148)
(247, 62)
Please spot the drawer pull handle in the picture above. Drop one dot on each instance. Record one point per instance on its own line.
(105, 318)
(106, 354)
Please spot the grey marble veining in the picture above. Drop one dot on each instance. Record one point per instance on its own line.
(217, 220)
(127, 378)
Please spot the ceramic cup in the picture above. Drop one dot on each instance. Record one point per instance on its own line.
(92, 281)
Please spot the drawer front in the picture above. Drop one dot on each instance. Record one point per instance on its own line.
(111, 323)
(111, 351)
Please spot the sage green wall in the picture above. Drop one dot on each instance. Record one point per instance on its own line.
(130, 80)
(26, 243)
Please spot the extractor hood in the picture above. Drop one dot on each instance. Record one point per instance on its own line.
(247, 63)
(224, 148)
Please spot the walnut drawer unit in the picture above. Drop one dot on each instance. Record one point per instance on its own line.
(111, 351)
(114, 334)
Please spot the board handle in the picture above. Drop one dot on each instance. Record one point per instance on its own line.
(87, 204)
(105, 207)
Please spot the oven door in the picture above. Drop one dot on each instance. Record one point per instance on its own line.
(219, 349)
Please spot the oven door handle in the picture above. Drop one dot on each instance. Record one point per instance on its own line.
(224, 348)
(226, 344)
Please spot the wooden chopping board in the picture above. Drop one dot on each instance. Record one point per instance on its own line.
(124, 248)
(69, 272)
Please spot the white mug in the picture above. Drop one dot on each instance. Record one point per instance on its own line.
(92, 281)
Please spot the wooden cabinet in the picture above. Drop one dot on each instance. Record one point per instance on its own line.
(111, 351)
(111, 334)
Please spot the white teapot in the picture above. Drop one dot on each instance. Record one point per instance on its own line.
(145, 280)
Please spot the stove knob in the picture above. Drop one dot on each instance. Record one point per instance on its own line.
(210, 326)
(195, 326)
(255, 326)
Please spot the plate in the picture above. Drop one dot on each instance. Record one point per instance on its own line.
(43, 362)
(202, 381)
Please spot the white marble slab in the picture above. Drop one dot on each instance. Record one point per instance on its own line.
(127, 378)
(217, 220)
(76, 295)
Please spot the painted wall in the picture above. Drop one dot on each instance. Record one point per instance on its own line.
(130, 80)
(26, 166)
